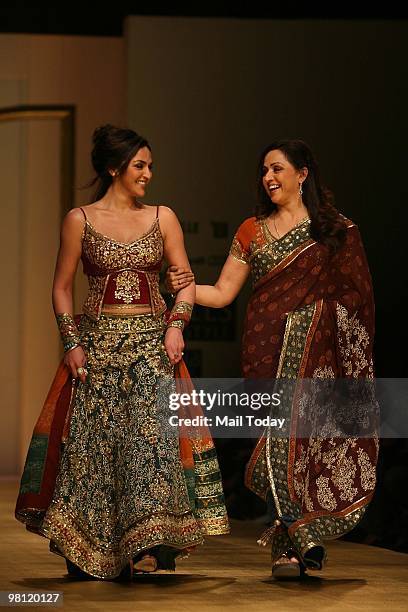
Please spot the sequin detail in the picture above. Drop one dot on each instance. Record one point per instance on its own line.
(121, 487)
(127, 264)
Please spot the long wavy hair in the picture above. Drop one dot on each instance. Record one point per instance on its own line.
(113, 148)
(327, 226)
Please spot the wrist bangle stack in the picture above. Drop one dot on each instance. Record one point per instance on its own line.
(68, 331)
(178, 323)
(180, 315)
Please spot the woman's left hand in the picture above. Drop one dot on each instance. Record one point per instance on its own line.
(174, 344)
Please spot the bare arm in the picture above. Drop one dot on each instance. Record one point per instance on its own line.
(230, 282)
(174, 250)
(175, 254)
(67, 263)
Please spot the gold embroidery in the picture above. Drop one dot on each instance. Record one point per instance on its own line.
(182, 308)
(68, 331)
(108, 256)
(353, 340)
(67, 530)
(238, 252)
(367, 471)
(121, 486)
(180, 315)
(325, 496)
(126, 309)
(325, 372)
(266, 253)
(156, 299)
(178, 324)
(306, 496)
(127, 286)
(343, 474)
(93, 303)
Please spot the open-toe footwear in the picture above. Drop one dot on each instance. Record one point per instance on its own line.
(146, 565)
(284, 568)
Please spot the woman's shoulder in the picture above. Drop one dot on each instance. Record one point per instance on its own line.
(81, 212)
(166, 216)
(75, 216)
(248, 224)
(163, 210)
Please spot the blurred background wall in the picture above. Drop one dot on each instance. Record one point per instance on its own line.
(210, 94)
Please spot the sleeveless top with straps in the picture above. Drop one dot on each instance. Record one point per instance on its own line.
(123, 277)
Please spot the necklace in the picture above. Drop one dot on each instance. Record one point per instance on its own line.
(276, 229)
(274, 225)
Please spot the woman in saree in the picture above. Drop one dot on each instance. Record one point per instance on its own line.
(310, 316)
(122, 494)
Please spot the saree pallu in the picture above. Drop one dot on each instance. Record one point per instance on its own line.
(311, 316)
(104, 479)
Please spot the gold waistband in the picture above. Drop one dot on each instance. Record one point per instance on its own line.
(123, 324)
(126, 309)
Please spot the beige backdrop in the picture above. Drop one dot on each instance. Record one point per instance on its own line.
(89, 73)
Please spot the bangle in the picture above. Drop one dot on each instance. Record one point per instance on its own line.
(71, 348)
(178, 323)
(68, 331)
(180, 315)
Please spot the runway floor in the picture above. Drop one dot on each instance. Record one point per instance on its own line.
(227, 573)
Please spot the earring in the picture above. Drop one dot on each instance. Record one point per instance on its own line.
(300, 189)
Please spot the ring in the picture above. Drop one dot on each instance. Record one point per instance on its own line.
(182, 354)
(82, 371)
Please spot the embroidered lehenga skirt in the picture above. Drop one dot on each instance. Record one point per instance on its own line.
(104, 478)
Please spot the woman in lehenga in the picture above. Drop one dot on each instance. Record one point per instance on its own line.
(125, 494)
(311, 316)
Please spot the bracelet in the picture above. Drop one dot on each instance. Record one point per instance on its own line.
(68, 331)
(180, 315)
(178, 323)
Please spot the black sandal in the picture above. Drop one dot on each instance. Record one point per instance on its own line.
(287, 569)
(315, 558)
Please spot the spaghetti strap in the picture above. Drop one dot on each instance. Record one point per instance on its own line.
(83, 212)
(157, 212)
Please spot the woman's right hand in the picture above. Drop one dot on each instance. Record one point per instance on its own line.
(75, 359)
(178, 278)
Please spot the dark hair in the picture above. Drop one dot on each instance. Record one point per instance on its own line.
(327, 226)
(113, 148)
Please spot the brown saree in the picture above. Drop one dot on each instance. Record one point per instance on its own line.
(311, 316)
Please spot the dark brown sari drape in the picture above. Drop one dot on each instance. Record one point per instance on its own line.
(311, 316)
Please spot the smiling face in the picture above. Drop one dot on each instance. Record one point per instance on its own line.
(137, 174)
(281, 180)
